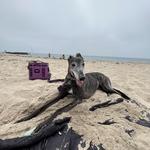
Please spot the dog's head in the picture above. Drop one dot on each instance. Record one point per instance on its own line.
(76, 69)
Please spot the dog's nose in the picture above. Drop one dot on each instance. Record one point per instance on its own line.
(82, 78)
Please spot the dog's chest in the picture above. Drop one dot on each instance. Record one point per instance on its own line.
(78, 92)
(84, 92)
(70, 91)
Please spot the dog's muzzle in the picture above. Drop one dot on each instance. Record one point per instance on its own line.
(78, 77)
(80, 82)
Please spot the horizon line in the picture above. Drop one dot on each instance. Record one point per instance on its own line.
(77, 52)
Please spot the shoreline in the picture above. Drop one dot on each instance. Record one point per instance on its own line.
(87, 58)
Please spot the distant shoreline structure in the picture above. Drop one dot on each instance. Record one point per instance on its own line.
(17, 53)
(88, 58)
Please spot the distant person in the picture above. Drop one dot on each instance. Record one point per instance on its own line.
(63, 56)
(49, 55)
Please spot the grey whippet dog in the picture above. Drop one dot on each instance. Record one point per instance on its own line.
(83, 86)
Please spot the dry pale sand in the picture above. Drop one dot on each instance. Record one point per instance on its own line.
(17, 94)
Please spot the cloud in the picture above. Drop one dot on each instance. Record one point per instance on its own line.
(93, 27)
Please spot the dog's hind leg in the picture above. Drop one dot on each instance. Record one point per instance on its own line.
(110, 91)
(105, 86)
(121, 94)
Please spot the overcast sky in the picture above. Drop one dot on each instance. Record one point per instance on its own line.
(92, 27)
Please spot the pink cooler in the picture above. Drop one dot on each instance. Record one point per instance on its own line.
(38, 70)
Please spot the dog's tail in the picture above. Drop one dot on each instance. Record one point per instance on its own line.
(121, 94)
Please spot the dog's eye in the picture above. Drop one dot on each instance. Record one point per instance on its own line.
(73, 65)
(83, 64)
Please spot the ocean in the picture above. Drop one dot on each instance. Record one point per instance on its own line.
(98, 58)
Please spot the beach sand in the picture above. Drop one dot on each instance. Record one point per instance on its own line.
(18, 94)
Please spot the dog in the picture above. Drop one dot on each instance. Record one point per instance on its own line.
(83, 86)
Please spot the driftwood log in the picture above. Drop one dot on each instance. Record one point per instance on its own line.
(106, 104)
(52, 136)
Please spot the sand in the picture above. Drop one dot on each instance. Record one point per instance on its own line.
(18, 94)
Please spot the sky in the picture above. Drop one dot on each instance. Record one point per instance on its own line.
(118, 28)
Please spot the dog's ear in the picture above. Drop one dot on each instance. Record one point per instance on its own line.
(78, 55)
(70, 57)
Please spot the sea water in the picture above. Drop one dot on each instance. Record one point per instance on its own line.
(97, 58)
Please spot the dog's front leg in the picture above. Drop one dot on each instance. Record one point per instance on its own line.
(63, 92)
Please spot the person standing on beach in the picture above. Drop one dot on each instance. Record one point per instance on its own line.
(49, 55)
(63, 56)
